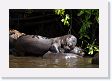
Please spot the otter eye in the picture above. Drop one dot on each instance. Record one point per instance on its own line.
(73, 40)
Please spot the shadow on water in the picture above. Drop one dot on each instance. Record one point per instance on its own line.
(39, 62)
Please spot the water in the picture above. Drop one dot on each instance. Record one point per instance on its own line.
(39, 62)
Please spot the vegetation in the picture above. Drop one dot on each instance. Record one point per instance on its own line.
(89, 20)
(65, 17)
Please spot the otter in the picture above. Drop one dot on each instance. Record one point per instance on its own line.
(78, 50)
(66, 42)
(30, 44)
(39, 45)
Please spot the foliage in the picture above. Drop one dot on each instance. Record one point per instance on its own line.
(86, 22)
(88, 19)
(60, 12)
(92, 48)
(64, 17)
(84, 32)
(65, 20)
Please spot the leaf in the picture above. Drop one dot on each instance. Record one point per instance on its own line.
(80, 13)
(96, 49)
(90, 52)
(80, 37)
(67, 17)
(87, 36)
(62, 20)
(60, 12)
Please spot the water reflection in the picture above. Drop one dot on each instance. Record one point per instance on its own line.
(39, 62)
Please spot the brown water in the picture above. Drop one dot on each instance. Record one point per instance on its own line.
(39, 62)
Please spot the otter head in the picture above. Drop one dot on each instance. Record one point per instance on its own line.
(71, 41)
(78, 51)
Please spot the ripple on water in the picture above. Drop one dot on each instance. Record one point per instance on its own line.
(39, 62)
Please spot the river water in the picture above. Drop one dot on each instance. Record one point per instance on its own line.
(39, 62)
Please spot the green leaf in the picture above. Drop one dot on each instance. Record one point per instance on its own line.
(87, 36)
(62, 20)
(90, 52)
(67, 17)
(80, 13)
(96, 49)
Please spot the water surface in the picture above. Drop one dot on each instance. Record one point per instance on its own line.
(39, 62)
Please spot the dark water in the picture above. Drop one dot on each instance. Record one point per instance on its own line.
(39, 62)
